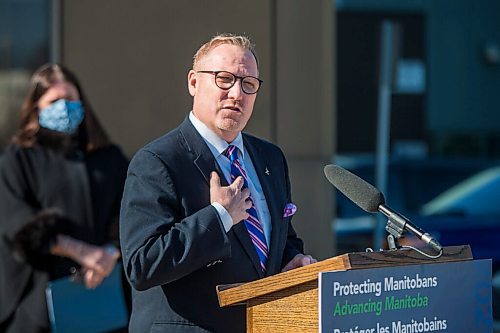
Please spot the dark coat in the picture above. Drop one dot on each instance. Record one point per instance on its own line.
(175, 248)
(85, 188)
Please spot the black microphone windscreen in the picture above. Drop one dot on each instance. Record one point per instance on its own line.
(359, 191)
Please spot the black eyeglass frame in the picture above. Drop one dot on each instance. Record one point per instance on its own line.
(236, 77)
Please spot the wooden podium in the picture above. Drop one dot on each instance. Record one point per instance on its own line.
(288, 302)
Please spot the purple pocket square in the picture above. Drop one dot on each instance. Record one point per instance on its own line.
(289, 210)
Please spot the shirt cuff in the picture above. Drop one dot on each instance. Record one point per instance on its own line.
(227, 220)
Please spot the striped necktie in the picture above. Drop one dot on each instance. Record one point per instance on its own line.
(253, 224)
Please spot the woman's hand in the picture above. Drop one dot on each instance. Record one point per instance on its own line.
(97, 258)
(97, 261)
(91, 278)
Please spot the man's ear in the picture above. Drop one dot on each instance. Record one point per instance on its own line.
(192, 82)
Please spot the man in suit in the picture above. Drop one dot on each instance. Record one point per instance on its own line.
(189, 221)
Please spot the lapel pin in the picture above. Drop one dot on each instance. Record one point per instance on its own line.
(267, 171)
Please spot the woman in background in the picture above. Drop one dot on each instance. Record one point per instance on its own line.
(61, 183)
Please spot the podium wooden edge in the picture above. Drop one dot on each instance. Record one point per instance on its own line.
(232, 294)
(238, 293)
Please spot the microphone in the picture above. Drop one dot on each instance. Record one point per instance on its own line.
(371, 200)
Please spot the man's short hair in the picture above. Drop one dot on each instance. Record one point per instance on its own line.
(224, 38)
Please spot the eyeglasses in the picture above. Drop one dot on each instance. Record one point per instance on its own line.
(225, 80)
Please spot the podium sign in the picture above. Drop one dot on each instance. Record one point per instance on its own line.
(440, 297)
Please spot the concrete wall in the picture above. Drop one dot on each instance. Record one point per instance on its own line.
(305, 113)
(133, 58)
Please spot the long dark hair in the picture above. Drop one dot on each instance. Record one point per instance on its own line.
(90, 136)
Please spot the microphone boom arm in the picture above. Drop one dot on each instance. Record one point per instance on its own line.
(397, 224)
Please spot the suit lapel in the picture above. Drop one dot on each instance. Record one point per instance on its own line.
(201, 154)
(264, 173)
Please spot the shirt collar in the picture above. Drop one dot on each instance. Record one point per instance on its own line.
(215, 143)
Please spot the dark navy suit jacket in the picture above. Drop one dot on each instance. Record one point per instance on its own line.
(175, 248)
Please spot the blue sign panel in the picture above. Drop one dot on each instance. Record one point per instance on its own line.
(442, 297)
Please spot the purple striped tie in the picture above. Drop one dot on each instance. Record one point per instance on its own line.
(253, 224)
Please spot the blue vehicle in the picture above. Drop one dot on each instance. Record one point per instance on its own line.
(468, 213)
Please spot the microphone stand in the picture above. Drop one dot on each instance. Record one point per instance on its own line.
(395, 227)
(395, 233)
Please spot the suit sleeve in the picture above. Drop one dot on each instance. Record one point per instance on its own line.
(160, 242)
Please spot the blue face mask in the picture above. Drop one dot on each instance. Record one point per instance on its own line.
(62, 116)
